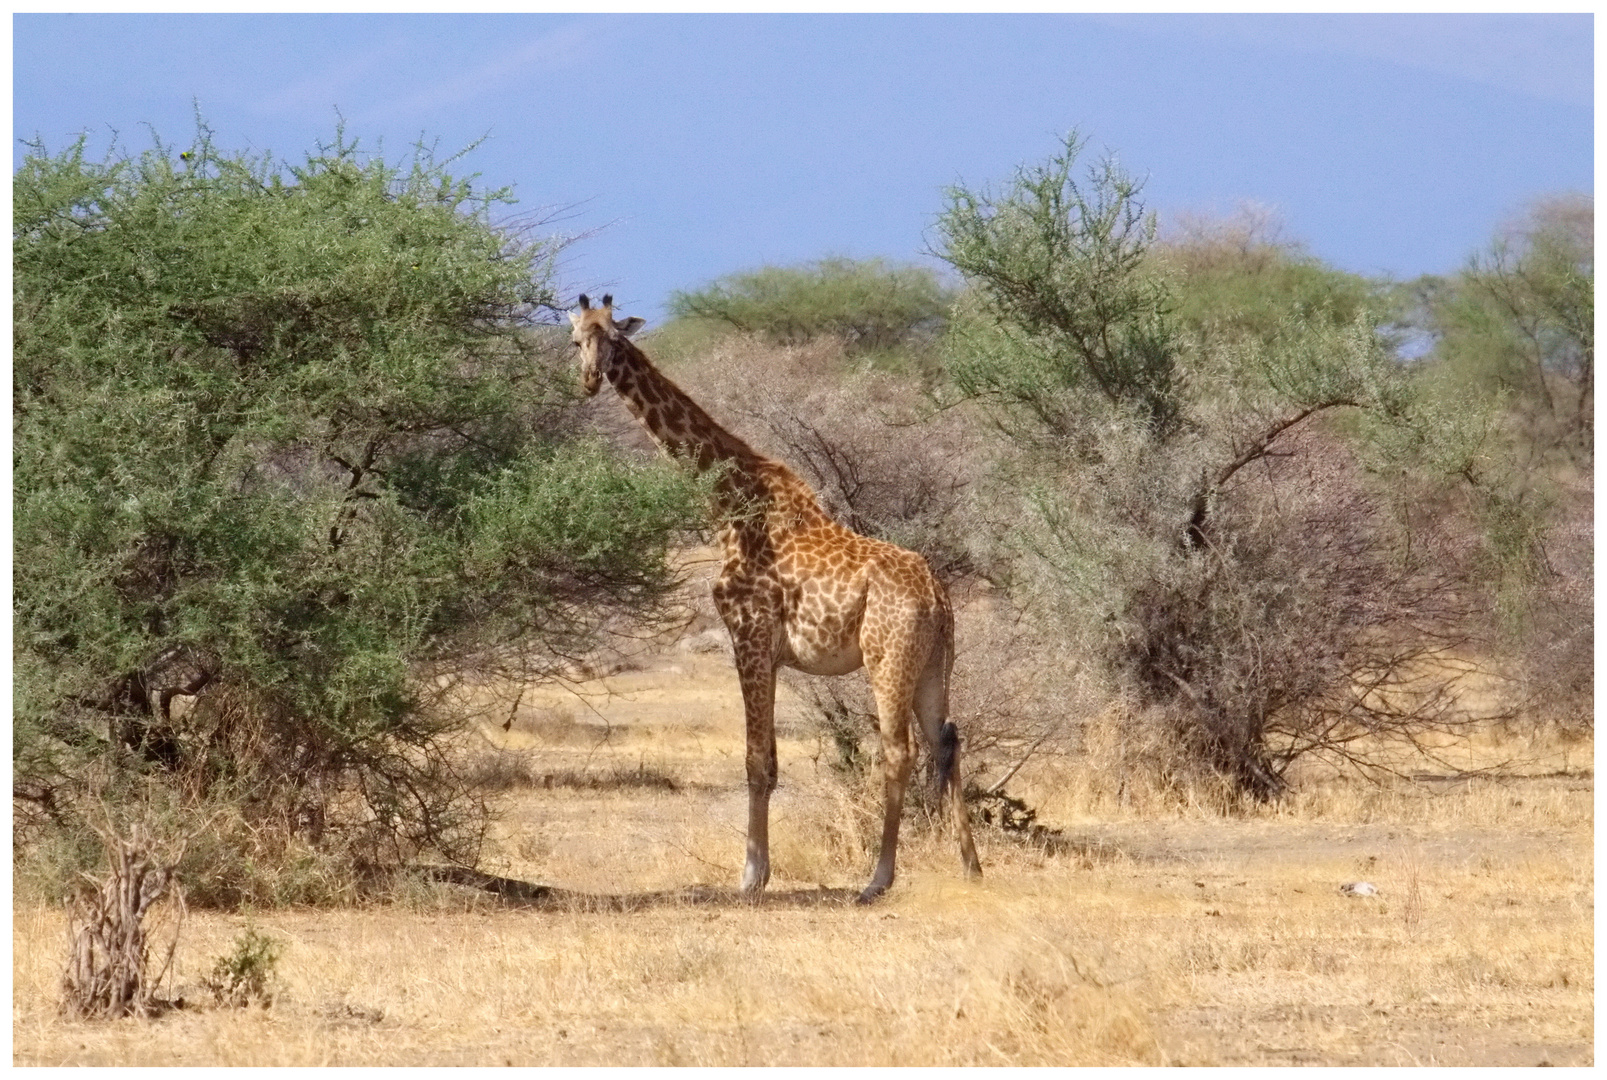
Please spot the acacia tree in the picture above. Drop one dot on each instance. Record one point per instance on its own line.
(1061, 271)
(869, 304)
(1521, 316)
(1267, 612)
(287, 440)
(1516, 328)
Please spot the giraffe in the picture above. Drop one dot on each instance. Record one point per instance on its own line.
(798, 589)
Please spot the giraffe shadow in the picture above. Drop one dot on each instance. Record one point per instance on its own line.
(531, 895)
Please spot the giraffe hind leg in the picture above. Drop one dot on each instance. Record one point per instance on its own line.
(943, 739)
(893, 715)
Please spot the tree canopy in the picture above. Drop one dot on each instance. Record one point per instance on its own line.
(294, 435)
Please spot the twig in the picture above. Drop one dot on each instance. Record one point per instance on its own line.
(998, 785)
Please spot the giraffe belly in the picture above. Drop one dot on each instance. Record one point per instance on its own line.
(813, 656)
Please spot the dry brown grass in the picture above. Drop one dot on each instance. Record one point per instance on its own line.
(1167, 935)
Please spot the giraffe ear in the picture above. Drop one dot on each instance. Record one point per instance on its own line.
(629, 326)
(574, 318)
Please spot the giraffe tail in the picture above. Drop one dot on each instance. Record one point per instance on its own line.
(947, 749)
(948, 755)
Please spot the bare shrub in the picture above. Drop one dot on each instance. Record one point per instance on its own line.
(1017, 689)
(1305, 627)
(843, 714)
(108, 967)
(1556, 650)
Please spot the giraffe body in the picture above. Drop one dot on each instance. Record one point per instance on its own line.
(798, 589)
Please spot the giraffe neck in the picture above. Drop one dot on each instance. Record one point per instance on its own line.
(675, 421)
(750, 480)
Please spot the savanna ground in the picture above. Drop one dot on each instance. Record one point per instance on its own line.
(1145, 933)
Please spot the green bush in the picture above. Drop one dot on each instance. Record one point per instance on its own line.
(869, 304)
(1237, 278)
(1520, 320)
(1191, 513)
(1063, 299)
(288, 444)
(248, 973)
(1515, 337)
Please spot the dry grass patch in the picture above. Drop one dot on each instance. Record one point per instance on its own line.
(915, 985)
(1191, 939)
(1164, 932)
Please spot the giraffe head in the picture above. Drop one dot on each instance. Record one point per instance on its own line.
(598, 336)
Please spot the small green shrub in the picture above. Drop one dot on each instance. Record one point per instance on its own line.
(247, 974)
(1063, 302)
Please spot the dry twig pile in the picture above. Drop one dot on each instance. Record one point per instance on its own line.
(106, 973)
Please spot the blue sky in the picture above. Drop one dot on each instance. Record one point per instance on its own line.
(688, 147)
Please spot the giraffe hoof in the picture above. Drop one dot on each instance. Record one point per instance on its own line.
(753, 883)
(871, 893)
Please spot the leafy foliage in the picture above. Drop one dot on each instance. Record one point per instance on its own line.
(1515, 338)
(246, 974)
(1237, 278)
(1161, 522)
(869, 304)
(1064, 292)
(1521, 319)
(290, 444)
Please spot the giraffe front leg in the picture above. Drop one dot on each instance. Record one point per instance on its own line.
(757, 671)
